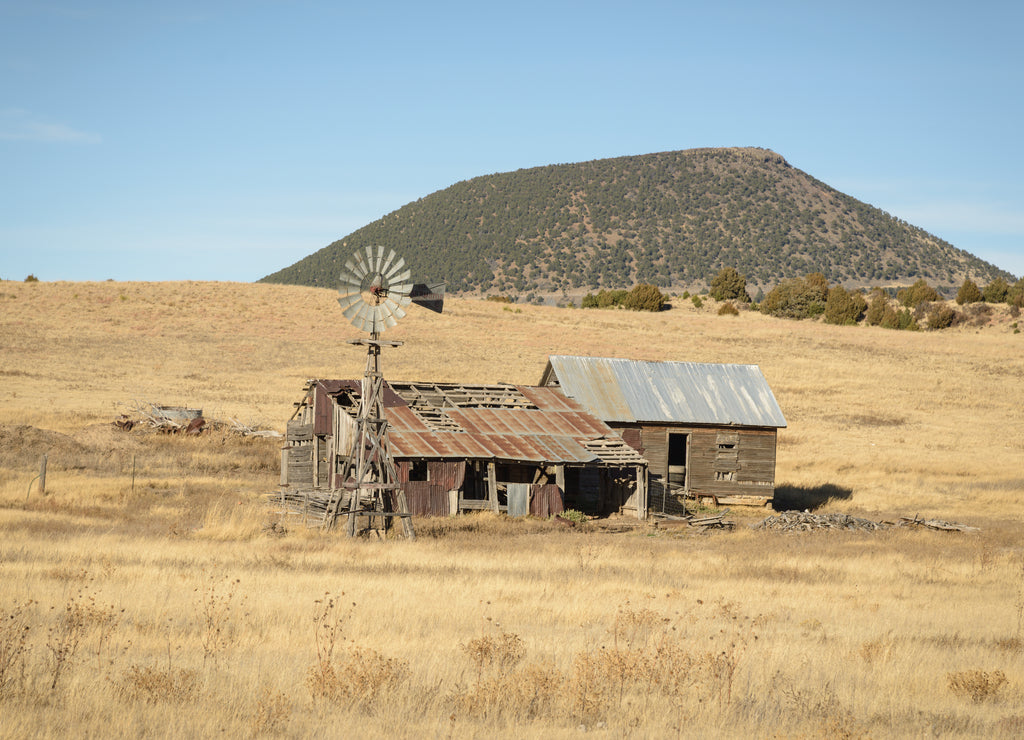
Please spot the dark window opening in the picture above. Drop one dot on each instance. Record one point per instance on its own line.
(515, 473)
(418, 470)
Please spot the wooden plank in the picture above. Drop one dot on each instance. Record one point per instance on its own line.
(641, 492)
(742, 500)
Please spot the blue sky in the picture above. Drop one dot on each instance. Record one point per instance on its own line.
(224, 140)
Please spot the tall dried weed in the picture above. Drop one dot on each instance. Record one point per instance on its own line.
(214, 612)
(977, 685)
(153, 685)
(272, 712)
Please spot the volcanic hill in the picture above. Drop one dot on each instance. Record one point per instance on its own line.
(673, 219)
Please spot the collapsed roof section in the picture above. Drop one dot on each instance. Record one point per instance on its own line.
(487, 422)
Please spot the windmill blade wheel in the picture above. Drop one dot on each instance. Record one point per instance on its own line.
(374, 289)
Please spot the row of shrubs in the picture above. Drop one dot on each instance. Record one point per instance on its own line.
(643, 297)
(812, 296)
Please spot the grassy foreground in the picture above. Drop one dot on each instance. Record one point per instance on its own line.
(150, 592)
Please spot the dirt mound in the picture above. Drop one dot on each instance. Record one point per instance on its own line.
(21, 447)
(107, 438)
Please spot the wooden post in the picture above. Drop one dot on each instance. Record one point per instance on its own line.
(492, 486)
(641, 492)
(42, 475)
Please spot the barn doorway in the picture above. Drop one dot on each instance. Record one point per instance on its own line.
(678, 461)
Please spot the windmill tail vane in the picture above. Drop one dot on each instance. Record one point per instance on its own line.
(428, 295)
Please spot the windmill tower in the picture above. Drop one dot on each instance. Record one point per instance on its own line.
(375, 290)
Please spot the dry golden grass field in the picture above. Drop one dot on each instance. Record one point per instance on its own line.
(146, 594)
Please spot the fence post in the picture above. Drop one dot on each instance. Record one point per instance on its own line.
(42, 475)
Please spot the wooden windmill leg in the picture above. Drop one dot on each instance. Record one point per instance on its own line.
(403, 510)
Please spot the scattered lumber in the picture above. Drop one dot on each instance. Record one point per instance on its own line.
(248, 430)
(312, 505)
(715, 521)
(307, 504)
(937, 524)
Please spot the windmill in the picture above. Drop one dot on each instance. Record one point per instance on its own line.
(374, 293)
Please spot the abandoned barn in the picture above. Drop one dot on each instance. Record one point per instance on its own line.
(456, 448)
(708, 431)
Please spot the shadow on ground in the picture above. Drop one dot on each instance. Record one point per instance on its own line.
(789, 498)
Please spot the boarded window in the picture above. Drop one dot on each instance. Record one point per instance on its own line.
(727, 456)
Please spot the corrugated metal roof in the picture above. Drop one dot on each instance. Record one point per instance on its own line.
(558, 430)
(619, 390)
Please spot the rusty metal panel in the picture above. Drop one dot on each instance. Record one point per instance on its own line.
(402, 417)
(323, 407)
(617, 390)
(589, 425)
(548, 399)
(426, 498)
(448, 475)
(546, 500)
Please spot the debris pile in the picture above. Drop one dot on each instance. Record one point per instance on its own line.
(805, 521)
(168, 419)
(181, 420)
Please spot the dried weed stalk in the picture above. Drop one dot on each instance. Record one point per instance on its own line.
(14, 648)
(154, 685)
(273, 710)
(214, 612)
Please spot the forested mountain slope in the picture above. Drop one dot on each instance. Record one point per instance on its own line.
(673, 219)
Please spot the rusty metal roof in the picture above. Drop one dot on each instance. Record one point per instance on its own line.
(618, 390)
(530, 424)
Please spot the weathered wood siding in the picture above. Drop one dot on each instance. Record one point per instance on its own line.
(299, 461)
(722, 461)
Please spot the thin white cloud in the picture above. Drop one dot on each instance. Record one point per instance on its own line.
(21, 125)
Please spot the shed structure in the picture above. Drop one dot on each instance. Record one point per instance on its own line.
(460, 447)
(708, 431)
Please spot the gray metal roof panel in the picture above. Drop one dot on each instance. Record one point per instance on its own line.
(682, 392)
